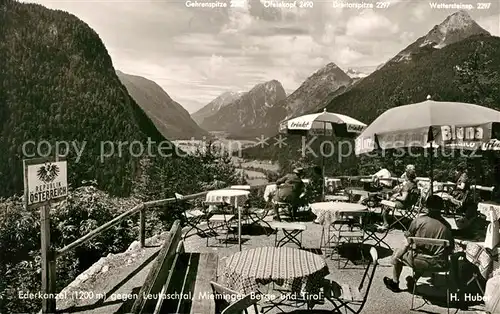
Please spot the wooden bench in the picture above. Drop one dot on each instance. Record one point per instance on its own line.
(178, 282)
(291, 230)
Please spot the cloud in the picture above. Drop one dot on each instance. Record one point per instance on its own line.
(195, 54)
(370, 24)
(491, 24)
(419, 13)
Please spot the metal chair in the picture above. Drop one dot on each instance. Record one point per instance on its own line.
(414, 242)
(241, 303)
(352, 299)
(348, 229)
(191, 218)
(291, 233)
(257, 216)
(409, 212)
(220, 219)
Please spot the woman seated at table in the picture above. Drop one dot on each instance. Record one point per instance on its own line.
(401, 198)
(457, 197)
(404, 178)
(289, 190)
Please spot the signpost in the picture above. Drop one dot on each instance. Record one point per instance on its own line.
(45, 182)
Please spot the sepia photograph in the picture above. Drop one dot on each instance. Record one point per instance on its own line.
(249, 156)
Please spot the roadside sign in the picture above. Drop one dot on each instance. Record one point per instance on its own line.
(45, 180)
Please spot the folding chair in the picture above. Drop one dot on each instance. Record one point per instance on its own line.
(372, 231)
(483, 261)
(257, 216)
(220, 220)
(352, 299)
(228, 301)
(414, 242)
(291, 233)
(405, 214)
(191, 218)
(348, 229)
(452, 209)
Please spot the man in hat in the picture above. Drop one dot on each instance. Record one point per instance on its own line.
(290, 187)
(428, 257)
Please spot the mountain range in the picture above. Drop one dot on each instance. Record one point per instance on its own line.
(265, 110)
(326, 84)
(67, 91)
(251, 114)
(426, 67)
(171, 119)
(454, 28)
(215, 105)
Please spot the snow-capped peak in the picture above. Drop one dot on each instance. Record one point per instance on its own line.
(356, 74)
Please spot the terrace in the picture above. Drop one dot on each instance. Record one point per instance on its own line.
(174, 265)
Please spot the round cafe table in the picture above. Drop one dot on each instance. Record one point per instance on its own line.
(236, 198)
(485, 208)
(329, 212)
(233, 197)
(299, 270)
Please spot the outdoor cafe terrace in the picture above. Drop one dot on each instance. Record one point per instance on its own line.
(228, 248)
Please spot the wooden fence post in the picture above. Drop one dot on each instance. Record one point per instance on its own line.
(48, 263)
(142, 229)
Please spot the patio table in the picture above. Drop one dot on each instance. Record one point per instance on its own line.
(293, 268)
(233, 197)
(363, 193)
(270, 191)
(236, 198)
(343, 198)
(437, 186)
(484, 208)
(333, 214)
(329, 212)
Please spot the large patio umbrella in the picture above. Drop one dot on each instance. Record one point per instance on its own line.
(323, 123)
(432, 123)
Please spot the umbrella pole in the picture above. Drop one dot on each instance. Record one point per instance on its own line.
(323, 166)
(431, 162)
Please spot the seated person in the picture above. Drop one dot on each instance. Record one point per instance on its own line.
(403, 178)
(289, 190)
(409, 168)
(457, 196)
(402, 197)
(428, 257)
(376, 185)
(316, 185)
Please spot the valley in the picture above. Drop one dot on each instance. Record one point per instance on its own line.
(253, 170)
(98, 72)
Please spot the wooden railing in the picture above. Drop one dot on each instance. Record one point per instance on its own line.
(141, 208)
(50, 305)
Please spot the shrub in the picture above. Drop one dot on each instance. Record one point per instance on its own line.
(85, 209)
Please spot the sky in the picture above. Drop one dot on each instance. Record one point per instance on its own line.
(196, 54)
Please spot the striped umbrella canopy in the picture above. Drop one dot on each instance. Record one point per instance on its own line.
(450, 124)
(323, 123)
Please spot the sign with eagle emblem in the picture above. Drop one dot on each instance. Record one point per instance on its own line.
(44, 181)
